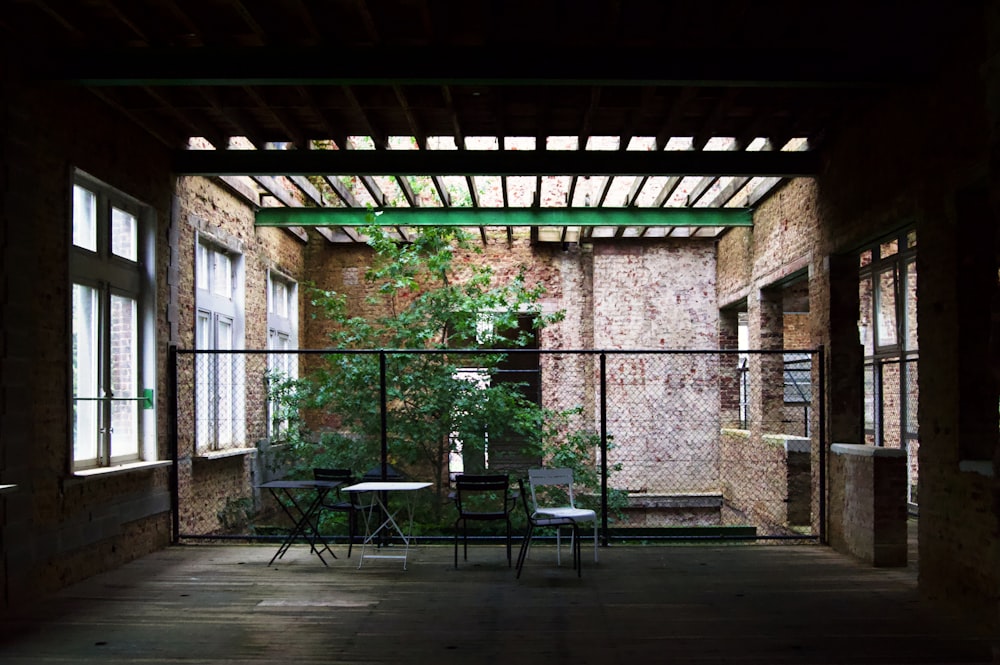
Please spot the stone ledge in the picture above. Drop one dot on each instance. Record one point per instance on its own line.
(865, 451)
(105, 471)
(675, 501)
(791, 443)
(229, 452)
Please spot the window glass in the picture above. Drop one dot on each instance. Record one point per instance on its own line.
(222, 275)
(865, 315)
(201, 267)
(885, 308)
(888, 249)
(280, 299)
(124, 234)
(124, 376)
(85, 372)
(910, 306)
(84, 218)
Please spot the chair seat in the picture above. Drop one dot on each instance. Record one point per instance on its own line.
(575, 514)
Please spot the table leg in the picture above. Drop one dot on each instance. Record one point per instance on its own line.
(302, 524)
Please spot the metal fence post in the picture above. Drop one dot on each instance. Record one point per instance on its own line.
(604, 447)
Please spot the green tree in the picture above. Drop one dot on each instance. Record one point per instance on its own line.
(422, 303)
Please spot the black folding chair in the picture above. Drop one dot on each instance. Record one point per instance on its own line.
(481, 498)
(338, 504)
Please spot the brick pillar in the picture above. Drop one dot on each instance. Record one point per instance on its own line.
(729, 375)
(767, 385)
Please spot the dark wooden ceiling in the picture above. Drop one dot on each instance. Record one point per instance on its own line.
(612, 79)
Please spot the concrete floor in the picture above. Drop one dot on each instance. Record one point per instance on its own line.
(206, 603)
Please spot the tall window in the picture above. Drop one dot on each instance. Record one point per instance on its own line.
(282, 337)
(113, 334)
(887, 324)
(219, 381)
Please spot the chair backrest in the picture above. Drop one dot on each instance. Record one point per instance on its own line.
(559, 479)
(490, 490)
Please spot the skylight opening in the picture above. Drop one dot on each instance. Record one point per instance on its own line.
(618, 193)
(642, 143)
(562, 143)
(441, 143)
(520, 191)
(490, 190)
(481, 143)
(360, 143)
(519, 143)
(603, 143)
(680, 143)
(555, 189)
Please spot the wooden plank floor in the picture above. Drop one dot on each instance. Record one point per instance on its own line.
(204, 603)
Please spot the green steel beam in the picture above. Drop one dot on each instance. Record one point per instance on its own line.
(468, 217)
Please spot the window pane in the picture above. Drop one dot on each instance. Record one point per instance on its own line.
(204, 386)
(885, 308)
(202, 267)
(124, 377)
(910, 305)
(124, 234)
(85, 376)
(865, 315)
(280, 299)
(222, 279)
(226, 389)
(887, 249)
(84, 218)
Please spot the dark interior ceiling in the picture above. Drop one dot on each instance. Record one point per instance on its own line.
(321, 107)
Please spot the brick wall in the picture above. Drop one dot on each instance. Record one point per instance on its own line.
(58, 529)
(211, 484)
(868, 503)
(766, 480)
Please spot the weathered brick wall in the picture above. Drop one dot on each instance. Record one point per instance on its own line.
(58, 529)
(614, 296)
(868, 503)
(879, 179)
(212, 486)
(765, 480)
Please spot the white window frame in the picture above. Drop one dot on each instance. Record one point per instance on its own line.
(113, 273)
(220, 396)
(282, 335)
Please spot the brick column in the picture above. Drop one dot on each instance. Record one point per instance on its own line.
(767, 386)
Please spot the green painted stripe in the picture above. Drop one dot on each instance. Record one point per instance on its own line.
(589, 217)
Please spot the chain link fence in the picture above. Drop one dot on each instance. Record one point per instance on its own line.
(664, 444)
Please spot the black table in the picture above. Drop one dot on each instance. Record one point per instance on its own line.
(292, 495)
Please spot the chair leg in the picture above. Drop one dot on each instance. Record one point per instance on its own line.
(522, 554)
(352, 519)
(508, 542)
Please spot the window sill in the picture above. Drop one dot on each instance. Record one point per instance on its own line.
(229, 452)
(120, 468)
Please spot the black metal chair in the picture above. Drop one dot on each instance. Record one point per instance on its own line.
(536, 520)
(338, 504)
(481, 498)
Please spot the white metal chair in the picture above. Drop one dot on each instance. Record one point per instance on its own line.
(535, 520)
(558, 503)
